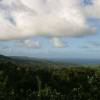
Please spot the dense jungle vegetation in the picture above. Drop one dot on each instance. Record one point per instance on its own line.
(43, 80)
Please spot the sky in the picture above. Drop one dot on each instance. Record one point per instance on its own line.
(50, 28)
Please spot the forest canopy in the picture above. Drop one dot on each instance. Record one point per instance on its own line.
(43, 80)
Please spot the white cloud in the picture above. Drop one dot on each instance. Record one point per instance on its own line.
(93, 10)
(42, 18)
(6, 49)
(28, 43)
(57, 43)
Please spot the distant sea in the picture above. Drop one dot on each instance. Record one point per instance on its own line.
(80, 61)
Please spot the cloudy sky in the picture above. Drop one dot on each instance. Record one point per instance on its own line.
(50, 28)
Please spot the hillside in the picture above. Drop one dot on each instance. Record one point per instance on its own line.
(35, 61)
(4, 57)
(45, 80)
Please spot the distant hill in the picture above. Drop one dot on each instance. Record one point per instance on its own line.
(54, 62)
(2, 57)
(29, 61)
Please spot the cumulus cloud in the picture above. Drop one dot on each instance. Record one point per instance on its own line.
(28, 43)
(93, 9)
(95, 44)
(91, 45)
(57, 43)
(6, 49)
(49, 18)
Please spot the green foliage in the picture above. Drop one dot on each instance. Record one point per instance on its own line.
(40, 81)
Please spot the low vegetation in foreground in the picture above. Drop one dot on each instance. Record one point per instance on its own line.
(47, 81)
